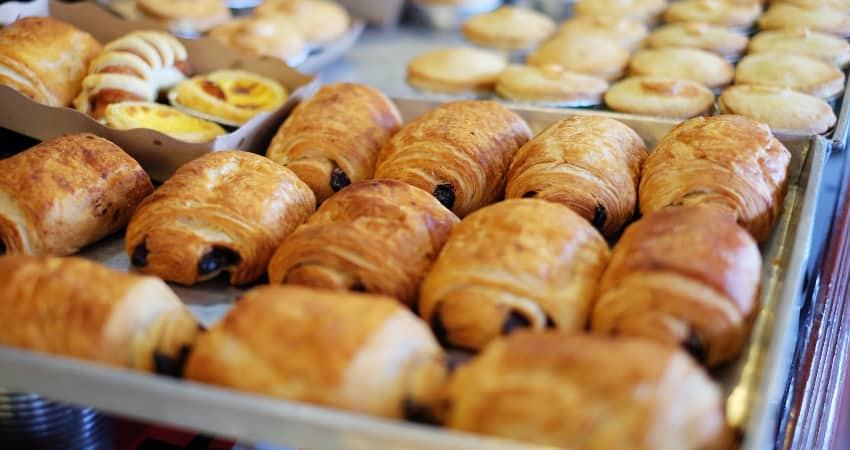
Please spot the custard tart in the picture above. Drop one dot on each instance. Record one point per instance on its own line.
(229, 97)
(162, 118)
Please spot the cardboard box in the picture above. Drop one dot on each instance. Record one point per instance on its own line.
(158, 153)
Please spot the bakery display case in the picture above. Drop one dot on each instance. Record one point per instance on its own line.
(475, 223)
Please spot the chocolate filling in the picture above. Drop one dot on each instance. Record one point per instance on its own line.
(216, 259)
(445, 194)
(694, 345)
(358, 287)
(140, 256)
(2, 248)
(439, 328)
(416, 412)
(550, 323)
(339, 179)
(600, 216)
(515, 321)
(171, 366)
(530, 194)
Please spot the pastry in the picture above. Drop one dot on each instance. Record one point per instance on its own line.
(591, 55)
(66, 193)
(740, 14)
(319, 21)
(550, 84)
(45, 59)
(588, 163)
(226, 211)
(826, 20)
(459, 152)
(683, 276)
(273, 37)
(798, 72)
(455, 70)
(232, 97)
(193, 16)
(725, 162)
(134, 67)
(780, 108)
(334, 138)
(661, 97)
(76, 308)
(165, 119)
(509, 28)
(588, 392)
(520, 263)
(712, 38)
(815, 4)
(684, 64)
(646, 11)
(802, 41)
(627, 32)
(373, 236)
(364, 353)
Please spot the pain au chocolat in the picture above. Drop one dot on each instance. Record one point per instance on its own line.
(226, 211)
(333, 139)
(66, 193)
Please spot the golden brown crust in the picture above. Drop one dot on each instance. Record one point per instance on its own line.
(627, 32)
(801, 73)
(825, 47)
(516, 263)
(225, 211)
(646, 11)
(660, 96)
(683, 276)
(590, 392)
(374, 236)
(683, 63)
(76, 308)
(45, 59)
(351, 351)
(726, 162)
(824, 19)
(334, 138)
(459, 151)
(726, 13)
(712, 38)
(589, 54)
(779, 108)
(265, 36)
(455, 70)
(66, 193)
(550, 84)
(509, 28)
(319, 21)
(590, 164)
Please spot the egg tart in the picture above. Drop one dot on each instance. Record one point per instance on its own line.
(162, 118)
(230, 97)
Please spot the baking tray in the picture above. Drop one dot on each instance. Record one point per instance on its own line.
(754, 384)
(315, 59)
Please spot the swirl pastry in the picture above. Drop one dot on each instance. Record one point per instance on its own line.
(373, 236)
(589, 163)
(319, 21)
(273, 37)
(136, 67)
(79, 309)
(193, 16)
(364, 353)
(232, 97)
(588, 392)
(225, 211)
(162, 118)
(66, 193)
(514, 264)
(334, 138)
(45, 59)
(683, 276)
(726, 162)
(460, 152)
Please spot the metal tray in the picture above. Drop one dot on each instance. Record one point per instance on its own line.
(754, 385)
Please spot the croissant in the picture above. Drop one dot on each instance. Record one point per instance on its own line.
(76, 308)
(460, 152)
(726, 162)
(334, 138)
(66, 193)
(225, 211)
(372, 236)
(591, 164)
(588, 392)
(135, 66)
(683, 276)
(364, 353)
(514, 264)
(45, 59)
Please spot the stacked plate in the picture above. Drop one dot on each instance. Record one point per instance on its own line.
(30, 422)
